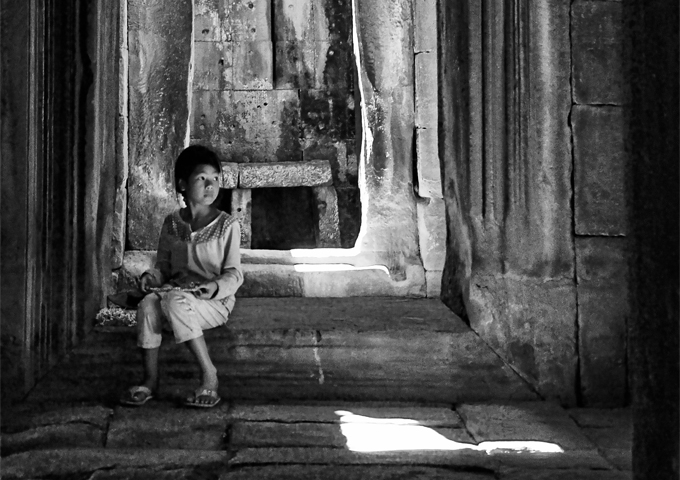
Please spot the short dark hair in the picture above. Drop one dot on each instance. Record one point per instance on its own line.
(192, 157)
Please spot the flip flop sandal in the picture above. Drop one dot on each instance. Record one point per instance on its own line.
(133, 399)
(205, 392)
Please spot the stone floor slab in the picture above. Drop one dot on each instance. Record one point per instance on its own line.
(335, 472)
(77, 435)
(571, 459)
(145, 474)
(618, 438)
(620, 459)
(169, 427)
(334, 456)
(56, 463)
(427, 416)
(576, 474)
(327, 435)
(524, 421)
(25, 417)
(274, 434)
(602, 417)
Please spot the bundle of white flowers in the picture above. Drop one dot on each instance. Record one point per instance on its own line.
(116, 316)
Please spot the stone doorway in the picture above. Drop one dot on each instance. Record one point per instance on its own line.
(280, 87)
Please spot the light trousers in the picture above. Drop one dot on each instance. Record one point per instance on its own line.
(185, 314)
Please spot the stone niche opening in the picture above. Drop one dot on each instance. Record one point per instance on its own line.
(282, 218)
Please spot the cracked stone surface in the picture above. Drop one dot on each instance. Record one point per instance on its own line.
(329, 440)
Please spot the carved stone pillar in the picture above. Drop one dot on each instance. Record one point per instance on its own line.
(159, 59)
(506, 150)
(384, 35)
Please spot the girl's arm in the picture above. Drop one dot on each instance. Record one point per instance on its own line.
(231, 276)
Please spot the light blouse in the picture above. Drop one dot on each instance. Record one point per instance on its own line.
(211, 253)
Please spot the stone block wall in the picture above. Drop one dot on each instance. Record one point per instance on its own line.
(257, 80)
(531, 139)
(600, 200)
(274, 82)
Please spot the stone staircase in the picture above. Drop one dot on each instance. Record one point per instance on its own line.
(299, 349)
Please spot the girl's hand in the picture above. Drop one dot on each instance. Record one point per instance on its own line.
(147, 281)
(207, 291)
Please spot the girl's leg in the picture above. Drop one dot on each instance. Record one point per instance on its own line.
(188, 317)
(150, 358)
(208, 371)
(149, 328)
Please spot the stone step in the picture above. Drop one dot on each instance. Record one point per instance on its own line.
(279, 349)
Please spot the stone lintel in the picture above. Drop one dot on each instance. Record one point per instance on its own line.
(285, 174)
(241, 208)
(327, 229)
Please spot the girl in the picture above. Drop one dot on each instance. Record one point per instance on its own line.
(197, 273)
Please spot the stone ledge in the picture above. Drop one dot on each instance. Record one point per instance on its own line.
(302, 280)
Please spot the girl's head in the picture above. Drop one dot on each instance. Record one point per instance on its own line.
(190, 159)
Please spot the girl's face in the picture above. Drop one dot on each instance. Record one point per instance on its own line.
(202, 186)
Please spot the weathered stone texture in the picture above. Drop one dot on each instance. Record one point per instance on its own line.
(241, 208)
(428, 165)
(248, 126)
(253, 67)
(425, 26)
(295, 64)
(433, 279)
(160, 52)
(597, 44)
(530, 421)
(66, 436)
(426, 416)
(426, 90)
(294, 20)
(248, 20)
(207, 23)
(600, 164)
(538, 333)
(327, 229)
(285, 174)
(167, 427)
(213, 66)
(118, 228)
(603, 311)
(432, 233)
(326, 114)
(119, 217)
(80, 462)
(230, 174)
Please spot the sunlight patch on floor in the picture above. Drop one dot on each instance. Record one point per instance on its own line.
(368, 434)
